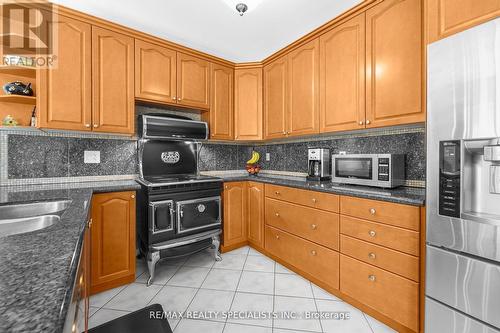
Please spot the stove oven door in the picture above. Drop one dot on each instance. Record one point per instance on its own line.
(197, 215)
(161, 219)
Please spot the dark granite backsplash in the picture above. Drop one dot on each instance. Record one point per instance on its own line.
(293, 156)
(52, 156)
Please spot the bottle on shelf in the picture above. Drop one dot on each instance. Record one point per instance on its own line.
(33, 117)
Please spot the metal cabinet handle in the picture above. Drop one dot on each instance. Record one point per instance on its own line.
(90, 223)
(277, 193)
(314, 226)
(174, 98)
(372, 211)
(132, 196)
(95, 125)
(277, 214)
(371, 255)
(371, 277)
(277, 237)
(314, 200)
(87, 125)
(225, 186)
(179, 99)
(368, 122)
(361, 122)
(313, 252)
(372, 233)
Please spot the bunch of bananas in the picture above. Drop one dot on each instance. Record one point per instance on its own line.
(255, 158)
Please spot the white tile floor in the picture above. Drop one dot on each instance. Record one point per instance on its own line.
(245, 280)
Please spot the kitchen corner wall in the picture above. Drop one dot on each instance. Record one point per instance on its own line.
(34, 156)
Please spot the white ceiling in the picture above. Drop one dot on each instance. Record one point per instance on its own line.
(213, 26)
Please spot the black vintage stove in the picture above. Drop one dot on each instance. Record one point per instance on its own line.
(179, 211)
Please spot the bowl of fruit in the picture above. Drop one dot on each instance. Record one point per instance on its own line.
(253, 167)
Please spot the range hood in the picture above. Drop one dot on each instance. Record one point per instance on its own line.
(160, 127)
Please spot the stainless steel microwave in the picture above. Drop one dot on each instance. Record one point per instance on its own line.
(381, 170)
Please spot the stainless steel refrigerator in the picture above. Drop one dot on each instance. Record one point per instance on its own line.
(463, 182)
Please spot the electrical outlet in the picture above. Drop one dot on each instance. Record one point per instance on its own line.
(268, 157)
(91, 156)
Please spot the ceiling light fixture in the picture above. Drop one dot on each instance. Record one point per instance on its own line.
(241, 8)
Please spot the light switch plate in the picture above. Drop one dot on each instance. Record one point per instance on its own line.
(91, 156)
(268, 156)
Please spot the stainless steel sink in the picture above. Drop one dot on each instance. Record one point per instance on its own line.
(26, 217)
(20, 210)
(26, 224)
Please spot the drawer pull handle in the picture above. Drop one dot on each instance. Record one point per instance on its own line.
(277, 214)
(313, 252)
(314, 200)
(277, 237)
(277, 193)
(133, 196)
(314, 226)
(372, 211)
(371, 277)
(371, 255)
(372, 233)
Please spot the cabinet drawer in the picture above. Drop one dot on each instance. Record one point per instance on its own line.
(313, 224)
(325, 201)
(317, 260)
(392, 237)
(387, 293)
(393, 261)
(379, 211)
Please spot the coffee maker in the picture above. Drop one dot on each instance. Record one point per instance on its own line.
(318, 161)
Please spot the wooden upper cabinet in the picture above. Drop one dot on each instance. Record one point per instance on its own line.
(155, 72)
(342, 76)
(193, 81)
(303, 89)
(221, 109)
(113, 240)
(65, 94)
(113, 81)
(235, 221)
(248, 104)
(394, 63)
(255, 213)
(447, 17)
(275, 99)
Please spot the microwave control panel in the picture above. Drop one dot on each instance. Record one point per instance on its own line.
(449, 178)
(383, 169)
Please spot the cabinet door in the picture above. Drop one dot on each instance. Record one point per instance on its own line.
(447, 17)
(342, 77)
(113, 240)
(275, 101)
(255, 215)
(221, 109)
(193, 81)
(394, 63)
(248, 104)
(155, 72)
(113, 81)
(65, 97)
(303, 89)
(234, 224)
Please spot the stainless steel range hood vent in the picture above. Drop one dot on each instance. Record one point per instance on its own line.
(172, 128)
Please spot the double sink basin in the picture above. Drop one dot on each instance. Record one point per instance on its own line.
(26, 217)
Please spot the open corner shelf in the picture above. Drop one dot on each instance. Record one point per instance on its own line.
(23, 71)
(29, 100)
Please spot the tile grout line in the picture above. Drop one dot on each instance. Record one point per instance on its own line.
(368, 322)
(236, 290)
(316, 305)
(274, 295)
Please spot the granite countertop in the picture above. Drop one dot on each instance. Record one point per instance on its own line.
(403, 195)
(38, 269)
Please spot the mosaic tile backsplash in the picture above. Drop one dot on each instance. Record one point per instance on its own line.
(36, 155)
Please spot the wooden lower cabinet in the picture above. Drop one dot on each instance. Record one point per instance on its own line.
(312, 224)
(113, 240)
(235, 214)
(385, 292)
(255, 213)
(314, 259)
